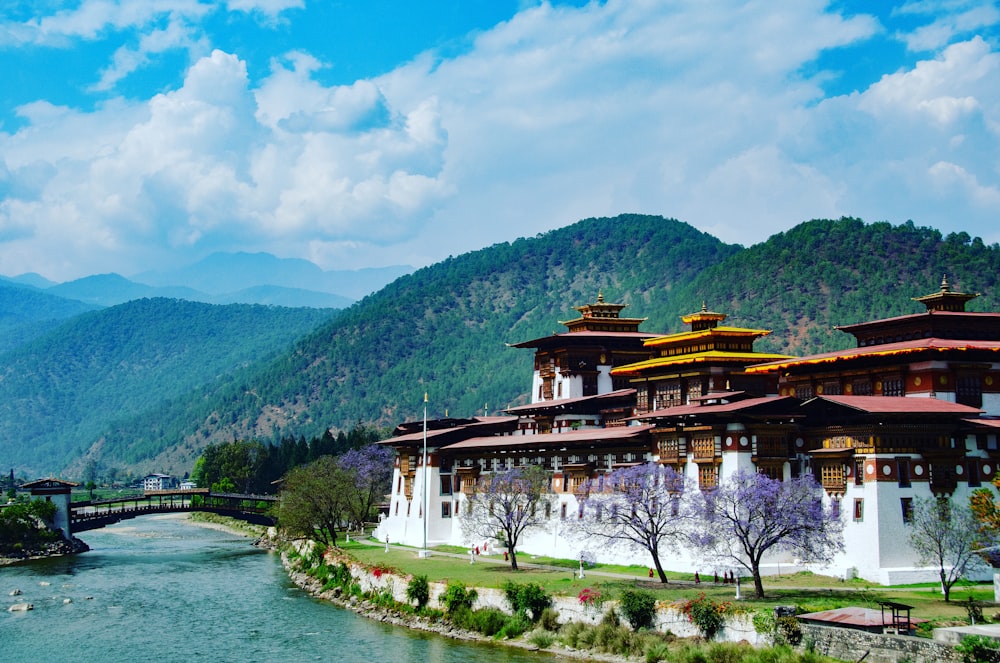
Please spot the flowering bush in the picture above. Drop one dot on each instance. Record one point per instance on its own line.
(706, 614)
(379, 571)
(589, 597)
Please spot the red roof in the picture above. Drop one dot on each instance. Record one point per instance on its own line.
(886, 349)
(735, 406)
(899, 404)
(856, 617)
(574, 437)
(591, 335)
(541, 405)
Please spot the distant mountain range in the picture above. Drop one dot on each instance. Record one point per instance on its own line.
(145, 385)
(228, 278)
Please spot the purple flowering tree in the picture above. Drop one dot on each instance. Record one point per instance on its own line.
(370, 471)
(945, 533)
(505, 505)
(644, 506)
(750, 515)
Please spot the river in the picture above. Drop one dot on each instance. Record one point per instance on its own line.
(159, 588)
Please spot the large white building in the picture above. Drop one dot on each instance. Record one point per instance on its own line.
(908, 413)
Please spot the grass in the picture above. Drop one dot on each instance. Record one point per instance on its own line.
(810, 591)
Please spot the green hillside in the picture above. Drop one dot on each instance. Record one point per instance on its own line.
(820, 274)
(441, 330)
(59, 392)
(27, 313)
(444, 329)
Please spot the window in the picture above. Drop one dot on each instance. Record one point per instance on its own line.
(903, 468)
(446, 485)
(708, 476)
(974, 480)
(803, 392)
(859, 509)
(859, 471)
(906, 505)
(969, 390)
(862, 388)
(893, 387)
(835, 507)
(562, 511)
(446, 509)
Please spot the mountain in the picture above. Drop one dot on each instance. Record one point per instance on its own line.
(112, 289)
(222, 273)
(27, 313)
(59, 391)
(444, 330)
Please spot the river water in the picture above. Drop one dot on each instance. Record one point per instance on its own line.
(158, 588)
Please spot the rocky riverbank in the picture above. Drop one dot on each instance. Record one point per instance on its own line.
(444, 628)
(42, 550)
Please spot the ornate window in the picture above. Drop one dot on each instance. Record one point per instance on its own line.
(703, 446)
(893, 386)
(708, 476)
(969, 390)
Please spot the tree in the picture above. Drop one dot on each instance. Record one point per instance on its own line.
(507, 504)
(644, 507)
(946, 534)
(370, 468)
(751, 514)
(313, 500)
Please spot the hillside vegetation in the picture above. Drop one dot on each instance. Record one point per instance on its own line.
(59, 392)
(443, 330)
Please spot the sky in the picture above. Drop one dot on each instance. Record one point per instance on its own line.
(147, 134)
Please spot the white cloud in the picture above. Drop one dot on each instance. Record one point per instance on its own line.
(683, 109)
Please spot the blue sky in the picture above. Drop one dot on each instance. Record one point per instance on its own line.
(144, 134)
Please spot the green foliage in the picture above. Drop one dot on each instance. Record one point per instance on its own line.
(706, 614)
(157, 374)
(638, 607)
(418, 590)
(527, 600)
(126, 366)
(656, 651)
(978, 649)
(542, 638)
(550, 619)
(24, 525)
(457, 597)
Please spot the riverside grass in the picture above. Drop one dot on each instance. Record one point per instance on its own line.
(808, 591)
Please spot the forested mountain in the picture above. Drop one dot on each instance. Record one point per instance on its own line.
(27, 313)
(443, 329)
(821, 274)
(60, 391)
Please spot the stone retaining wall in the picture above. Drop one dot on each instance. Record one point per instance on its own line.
(854, 645)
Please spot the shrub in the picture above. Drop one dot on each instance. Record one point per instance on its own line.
(656, 651)
(550, 619)
(569, 634)
(514, 627)
(541, 638)
(613, 639)
(639, 607)
(589, 597)
(978, 649)
(457, 596)
(707, 615)
(488, 621)
(419, 591)
(527, 600)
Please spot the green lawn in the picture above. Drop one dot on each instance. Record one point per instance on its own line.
(809, 591)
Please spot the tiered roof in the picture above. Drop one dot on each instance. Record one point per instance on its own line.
(706, 343)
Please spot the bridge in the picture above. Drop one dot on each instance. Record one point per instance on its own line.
(94, 514)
